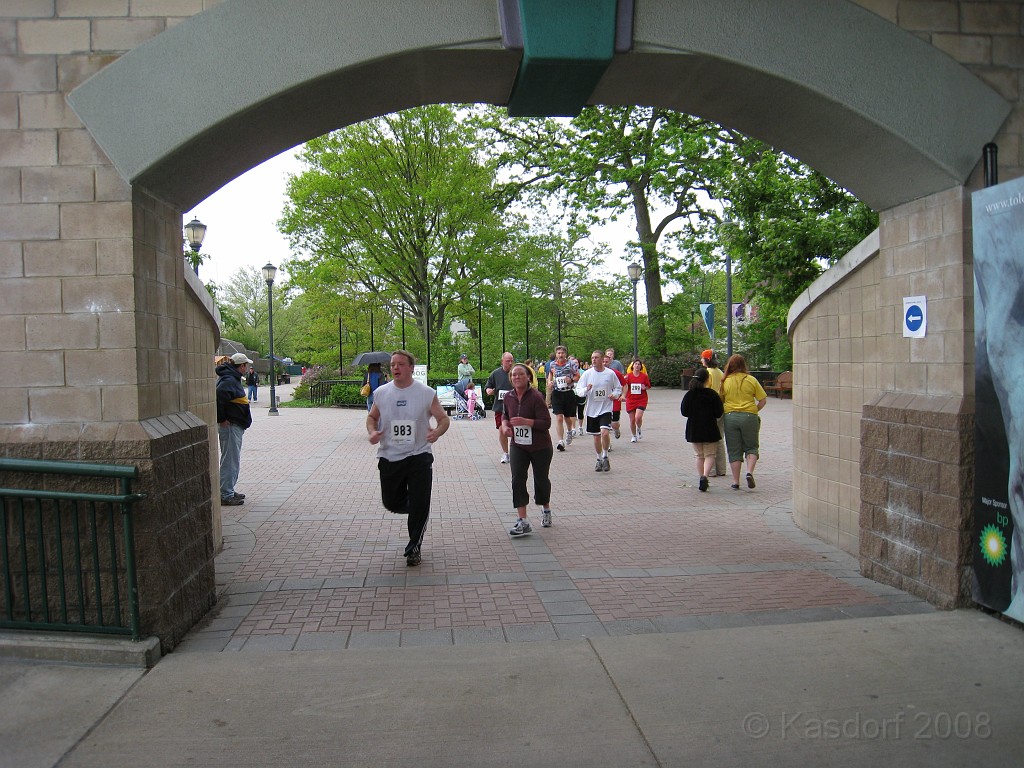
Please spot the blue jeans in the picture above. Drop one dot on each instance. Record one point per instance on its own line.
(252, 392)
(230, 457)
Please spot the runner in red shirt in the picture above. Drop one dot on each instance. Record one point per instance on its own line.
(634, 392)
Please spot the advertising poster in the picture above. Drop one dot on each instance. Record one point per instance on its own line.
(998, 219)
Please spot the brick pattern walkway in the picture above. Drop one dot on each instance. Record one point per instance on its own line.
(313, 561)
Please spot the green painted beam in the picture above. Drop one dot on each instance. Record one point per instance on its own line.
(567, 45)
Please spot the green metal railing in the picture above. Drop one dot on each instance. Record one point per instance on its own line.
(68, 557)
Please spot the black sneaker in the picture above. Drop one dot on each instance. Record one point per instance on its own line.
(239, 495)
(703, 485)
(413, 558)
(232, 501)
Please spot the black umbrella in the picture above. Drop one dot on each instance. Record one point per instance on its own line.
(368, 358)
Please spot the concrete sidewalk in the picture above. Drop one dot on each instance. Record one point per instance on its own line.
(652, 625)
(938, 689)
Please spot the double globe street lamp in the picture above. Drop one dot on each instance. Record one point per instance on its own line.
(269, 273)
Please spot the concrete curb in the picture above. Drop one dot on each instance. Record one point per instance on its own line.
(80, 649)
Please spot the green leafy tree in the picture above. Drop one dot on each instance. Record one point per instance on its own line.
(658, 166)
(245, 314)
(400, 208)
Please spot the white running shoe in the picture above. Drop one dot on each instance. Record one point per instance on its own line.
(568, 437)
(504, 458)
(521, 528)
(545, 519)
(560, 446)
(633, 439)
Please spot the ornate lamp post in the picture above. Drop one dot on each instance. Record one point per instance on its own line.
(634, 271)
(269, 273)
(195, 231)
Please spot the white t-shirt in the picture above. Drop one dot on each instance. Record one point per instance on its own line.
(601, 397)
(404, 419)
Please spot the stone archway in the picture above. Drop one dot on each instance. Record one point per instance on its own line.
(112, 337)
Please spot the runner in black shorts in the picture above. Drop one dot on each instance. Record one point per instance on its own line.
(563, 374)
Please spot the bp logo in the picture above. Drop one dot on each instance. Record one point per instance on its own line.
(993, 545)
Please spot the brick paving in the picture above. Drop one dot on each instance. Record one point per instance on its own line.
(313, 561)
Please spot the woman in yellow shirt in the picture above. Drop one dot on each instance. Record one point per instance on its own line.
(743, 398)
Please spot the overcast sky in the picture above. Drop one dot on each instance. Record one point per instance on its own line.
(241, 220)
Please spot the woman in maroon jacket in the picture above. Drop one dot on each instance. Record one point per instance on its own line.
(526, 422)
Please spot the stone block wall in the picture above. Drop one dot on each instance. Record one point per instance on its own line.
(202, 335)
(100, 332)
(854, 367)
(917, 493)
(985, 37)
(833, 336)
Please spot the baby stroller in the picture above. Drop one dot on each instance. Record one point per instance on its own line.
(462, 405)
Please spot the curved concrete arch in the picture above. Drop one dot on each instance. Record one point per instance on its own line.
(879, 111)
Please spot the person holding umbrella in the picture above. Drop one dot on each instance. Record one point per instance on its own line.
(372, 379)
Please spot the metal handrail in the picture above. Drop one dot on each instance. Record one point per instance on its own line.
(40, 568)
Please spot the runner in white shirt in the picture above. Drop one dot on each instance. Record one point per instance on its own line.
(399, 423)
(601, 387)
(563, 374)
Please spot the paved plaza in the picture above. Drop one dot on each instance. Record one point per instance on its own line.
(653, 625)
(314, 561)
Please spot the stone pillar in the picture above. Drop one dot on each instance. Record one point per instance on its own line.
(97, 319)
(917, 433)
(917, 491)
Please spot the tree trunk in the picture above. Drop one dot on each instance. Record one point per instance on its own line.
(652, 273)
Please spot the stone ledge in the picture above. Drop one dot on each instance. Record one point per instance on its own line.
(80, 649)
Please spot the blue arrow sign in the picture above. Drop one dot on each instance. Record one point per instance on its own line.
(915, 316)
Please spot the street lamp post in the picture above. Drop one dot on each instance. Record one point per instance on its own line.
(269, 273)
(728, 303)
(634, 271)
(195, 231)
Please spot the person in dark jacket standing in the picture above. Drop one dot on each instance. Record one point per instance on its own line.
(252, 381)
(233, 418)
(702, 408)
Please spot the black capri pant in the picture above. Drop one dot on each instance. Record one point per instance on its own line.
(520, 462)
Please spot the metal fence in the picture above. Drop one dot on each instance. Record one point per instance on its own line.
(68, 556)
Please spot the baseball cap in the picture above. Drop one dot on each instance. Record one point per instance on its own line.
(239, 359)
(707, 354)
(463, 357)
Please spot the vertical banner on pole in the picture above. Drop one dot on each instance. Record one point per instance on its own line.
(707, 311)
(997, 543)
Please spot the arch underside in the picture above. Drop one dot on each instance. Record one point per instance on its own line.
(877, 110)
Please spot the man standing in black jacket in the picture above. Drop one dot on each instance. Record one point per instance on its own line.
(233, 418)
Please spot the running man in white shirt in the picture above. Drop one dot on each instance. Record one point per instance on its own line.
(399, 424)
(601, 387)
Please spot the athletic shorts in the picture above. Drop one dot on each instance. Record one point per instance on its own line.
(498, 416)
(596, 424)
(564, 402)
